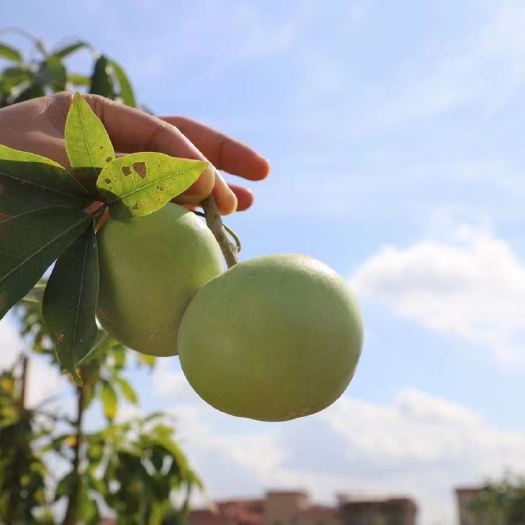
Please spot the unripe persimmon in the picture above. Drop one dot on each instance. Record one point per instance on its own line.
(150, 269)
(273, 338)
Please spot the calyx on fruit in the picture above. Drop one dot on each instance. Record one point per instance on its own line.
(273, 338)
(150, 269)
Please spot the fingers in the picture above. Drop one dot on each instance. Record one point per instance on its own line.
(133, 130)
(224, 152)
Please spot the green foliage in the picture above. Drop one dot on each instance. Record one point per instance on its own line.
(27, 78)
(133, 468)
(501, 502)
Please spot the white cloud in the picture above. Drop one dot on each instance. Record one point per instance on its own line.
(471, 286)
(417, 445)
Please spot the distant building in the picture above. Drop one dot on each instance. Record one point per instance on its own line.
(464, 499)
(393, 511)
(296, 508)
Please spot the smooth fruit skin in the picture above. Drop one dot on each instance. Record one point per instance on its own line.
(273, 338)
(150, 269)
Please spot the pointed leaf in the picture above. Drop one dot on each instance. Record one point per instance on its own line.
(34, 90)
(126, 90)
(101, 81)
(127, 390)
(52, 73)
(88, 144)
(109, 400)
(29, 182)
(78, 80)
(141, 183)
(70, 300)
(13, 76)
(10, 53)
(71, 48)
(29, 244)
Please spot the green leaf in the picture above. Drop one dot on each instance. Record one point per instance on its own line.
(29, 182)
(64, 486)
(109, 400)
(88, 144)
(34, 90)
(70, 300)
(79, 80)
(52, 73)
(13, 76)
(126, 90)
(10, 53)
(127, 390)
(101, 81)
(141, 183)
(29, 243)
(71, 48)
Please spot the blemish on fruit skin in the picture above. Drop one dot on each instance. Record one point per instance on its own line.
(140, 169)
(107, 181)
(60, 336)
(136, 206)
(126, 170)
(109, 159)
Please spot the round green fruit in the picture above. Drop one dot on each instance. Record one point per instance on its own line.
(150, 269)
(273, 338)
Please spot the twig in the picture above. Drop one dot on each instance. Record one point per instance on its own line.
(214, 222)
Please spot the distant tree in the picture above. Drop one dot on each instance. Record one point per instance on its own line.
(501, 502)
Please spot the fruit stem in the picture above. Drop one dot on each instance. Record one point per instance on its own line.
(214, 222)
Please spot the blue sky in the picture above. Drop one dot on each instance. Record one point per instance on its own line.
(395, 132)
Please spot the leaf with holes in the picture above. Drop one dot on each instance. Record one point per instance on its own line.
(29, 182)
(29, 244)
(141, 183)
(88, 144)
(70, 300)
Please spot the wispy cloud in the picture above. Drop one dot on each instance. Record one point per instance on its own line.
(471, 287)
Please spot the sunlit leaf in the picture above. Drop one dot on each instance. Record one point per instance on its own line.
(88, 144)
(29, 182)
(141, 183)
(109, 400)
(127, 390)
(71, 48)
(70, 300)
(126, 90)
(79, 80)
(29, 244)
(10, 53)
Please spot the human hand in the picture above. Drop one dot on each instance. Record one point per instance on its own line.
(37, 126)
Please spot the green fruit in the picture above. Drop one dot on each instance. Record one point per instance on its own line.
(273, 338)
(150, 269)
